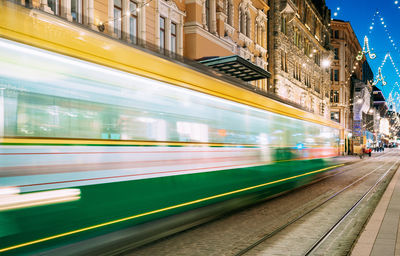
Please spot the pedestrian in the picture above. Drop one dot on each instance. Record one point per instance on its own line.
(362, 151)
(369, 152)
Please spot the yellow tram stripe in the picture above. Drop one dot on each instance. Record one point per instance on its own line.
(75, 141)
(163, 209)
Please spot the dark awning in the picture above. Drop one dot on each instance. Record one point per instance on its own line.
(237, 67)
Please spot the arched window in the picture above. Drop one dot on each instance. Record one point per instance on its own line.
(248, 24)
(242, 21)
(263, 35)
(229, 12)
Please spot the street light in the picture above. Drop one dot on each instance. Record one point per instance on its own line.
(326, 63)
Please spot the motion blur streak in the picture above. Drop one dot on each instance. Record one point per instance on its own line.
(164, 209)
(15, 201)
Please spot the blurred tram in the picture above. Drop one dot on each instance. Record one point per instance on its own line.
(97, 136)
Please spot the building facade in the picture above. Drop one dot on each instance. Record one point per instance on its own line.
(300, 53)
(228, 27)
(345, 47)
(194, 29)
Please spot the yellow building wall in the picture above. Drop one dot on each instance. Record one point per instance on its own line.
(197, 46)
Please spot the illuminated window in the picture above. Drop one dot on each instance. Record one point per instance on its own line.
(334, 96)
(335, 116)
(336, 52)
(336, 75)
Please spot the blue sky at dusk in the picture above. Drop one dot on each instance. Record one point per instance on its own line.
(360, 13)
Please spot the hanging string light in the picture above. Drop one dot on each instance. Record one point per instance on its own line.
(336, 12)
(101, 24)
(396, 3)
(366, 50)
(379, 19)
(379, 77)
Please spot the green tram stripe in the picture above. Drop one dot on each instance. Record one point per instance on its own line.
(164, 209)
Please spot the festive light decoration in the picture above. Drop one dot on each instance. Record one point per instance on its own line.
(378, 18)
(379, 77)
(336, 12)
(366, 50)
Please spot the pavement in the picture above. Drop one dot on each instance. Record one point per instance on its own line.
(380, 235)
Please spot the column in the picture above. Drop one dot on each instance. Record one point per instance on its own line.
(213, 11)
(168, 31)
(44, 6)
(90, 14)
(125, 19)
(142, 24)
(111, 17)
(180, 36)
(66, 9)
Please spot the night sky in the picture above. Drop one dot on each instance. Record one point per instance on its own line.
(362, 14)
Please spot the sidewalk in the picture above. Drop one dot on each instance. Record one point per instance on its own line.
(380, 236)
(356, 158)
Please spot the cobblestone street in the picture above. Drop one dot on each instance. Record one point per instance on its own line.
(233, 233)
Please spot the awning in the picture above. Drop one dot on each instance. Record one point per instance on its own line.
(237, 67)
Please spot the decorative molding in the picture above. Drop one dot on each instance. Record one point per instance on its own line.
(199, 2)
(247, 41)
(261, 49)
(229, 30)
(289, 7)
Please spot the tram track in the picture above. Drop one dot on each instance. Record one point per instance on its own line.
(316, 245)
(229, 235)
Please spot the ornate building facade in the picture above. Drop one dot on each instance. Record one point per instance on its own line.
(194, 29)
(216, 28)
(345, 69)
(300, 53)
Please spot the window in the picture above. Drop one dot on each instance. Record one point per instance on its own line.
(284, 61)
(244, 23)
(335, 116)
(297, 38)
(247, 24)
(283, 25)
(336, 75)
(54, 6)
(336, 34)
(208, 14)
(76, 10)
(336, 52)
(170, 27)
(317, 58)
(297, 71)
(307, 80)
(173, 38)
(133, 22)
(162, 32)
(117, 18)
(228, 9)
(334, 96)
